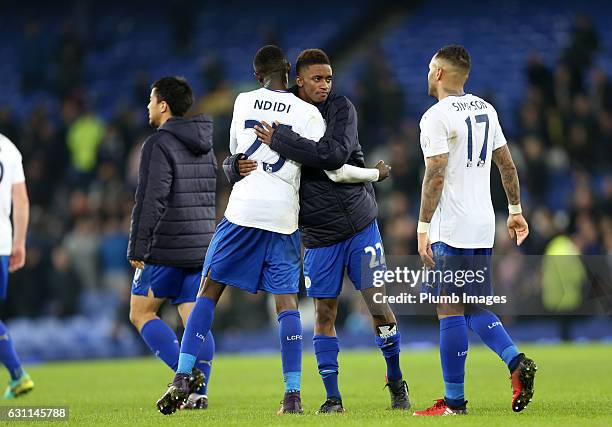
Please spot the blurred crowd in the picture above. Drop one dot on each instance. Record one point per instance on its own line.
(81, 170)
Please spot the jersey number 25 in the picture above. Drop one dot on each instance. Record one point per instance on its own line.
(268, 167)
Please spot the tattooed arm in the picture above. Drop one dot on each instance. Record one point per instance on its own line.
(509, 176)
(517, 225)
(433, 183)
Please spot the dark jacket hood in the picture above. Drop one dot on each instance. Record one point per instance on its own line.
(196, 133)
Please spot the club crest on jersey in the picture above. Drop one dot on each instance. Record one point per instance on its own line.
(279, 107)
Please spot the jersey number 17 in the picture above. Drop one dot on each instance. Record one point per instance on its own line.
(480, 118)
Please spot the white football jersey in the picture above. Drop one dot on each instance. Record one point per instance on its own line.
(468, 129)
(11, 172)
(268, 198)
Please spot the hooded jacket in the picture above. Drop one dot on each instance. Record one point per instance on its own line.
(173, 219)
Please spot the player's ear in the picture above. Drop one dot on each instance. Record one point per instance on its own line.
(299, 81)
(439, 73)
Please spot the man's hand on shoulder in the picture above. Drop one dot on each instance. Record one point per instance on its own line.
(384, 170)
(265, 132)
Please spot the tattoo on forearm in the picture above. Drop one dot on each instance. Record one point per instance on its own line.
(509, 175)
(433, 183)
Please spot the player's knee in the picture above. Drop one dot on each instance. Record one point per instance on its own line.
(447, 310)
(136, 318)
(139, 317)
(325, 316)
(286, 302)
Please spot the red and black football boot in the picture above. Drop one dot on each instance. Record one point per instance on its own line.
(522, 379)
(441, 409)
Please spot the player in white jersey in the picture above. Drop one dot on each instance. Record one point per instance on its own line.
(256, 246)
(13, 194)
(460, 137)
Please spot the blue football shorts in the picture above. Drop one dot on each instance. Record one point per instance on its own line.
(179, 285)
(4, 265)
(253, 259)
(459, 271)
(360, 255)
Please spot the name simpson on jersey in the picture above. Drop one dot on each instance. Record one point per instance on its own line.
(279, 107)
(471, 106)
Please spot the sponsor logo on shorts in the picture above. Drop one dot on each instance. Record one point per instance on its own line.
(137, 275)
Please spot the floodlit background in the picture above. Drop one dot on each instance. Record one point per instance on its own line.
(74, 85)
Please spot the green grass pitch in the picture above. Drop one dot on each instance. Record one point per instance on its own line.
(573, 387)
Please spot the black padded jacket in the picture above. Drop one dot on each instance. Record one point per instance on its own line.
(173, 218)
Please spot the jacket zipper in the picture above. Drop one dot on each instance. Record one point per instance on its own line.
(346, 214)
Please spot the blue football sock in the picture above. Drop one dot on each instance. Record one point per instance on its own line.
(388, 339)
(326, 350)
(453, 352)
(491, 331)
(162, 341)
(8, 356)
(290, 333)
(204, 360)
(197, 328)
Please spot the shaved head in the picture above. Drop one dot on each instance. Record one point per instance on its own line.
(449, 69)
(456, 57)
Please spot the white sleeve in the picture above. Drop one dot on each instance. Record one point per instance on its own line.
(349, 174)
(434, 135)
(315, 127)
(499, 140)
(18, 175)
(233, 142)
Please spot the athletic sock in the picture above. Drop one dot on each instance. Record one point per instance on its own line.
(388, 339)
(290, 334)
(453, 352)
(204, 360)
(491, 331)
(162, 341)
(8, 355)
(326, 350)
(197, 328)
